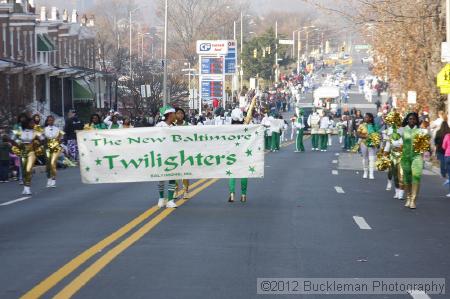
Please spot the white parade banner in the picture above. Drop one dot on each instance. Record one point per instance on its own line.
(171, 153)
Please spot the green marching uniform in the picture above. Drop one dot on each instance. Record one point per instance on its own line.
(411, 164)
(275, 127)
(267, 133)
(300, 126)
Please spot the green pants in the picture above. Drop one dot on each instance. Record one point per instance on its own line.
(232, 186)
(275, 141)
(171, 189)
(412, 169)
(299, 141)
(267, 141)
(315, 141)
(323, 141)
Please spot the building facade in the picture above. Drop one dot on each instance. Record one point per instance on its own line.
(47, 61)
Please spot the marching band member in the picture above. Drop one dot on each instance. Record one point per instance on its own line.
(330, 130)
(274, 129)
(267, 133)
(300, 128)
(323, 131)
(293, 126)
(53, 136)
(28, 140)
(314, 124)
(169, 117)
(181, 121)
(393, 120)
(368, 144)
(411, 160)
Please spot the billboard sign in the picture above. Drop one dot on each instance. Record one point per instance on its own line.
(212, 47)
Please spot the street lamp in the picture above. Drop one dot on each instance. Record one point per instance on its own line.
(299, 44)
(166, 7)
(142, 35)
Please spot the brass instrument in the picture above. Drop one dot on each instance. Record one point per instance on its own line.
(251, 108)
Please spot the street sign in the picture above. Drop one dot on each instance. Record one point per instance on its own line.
(445, 89)
(212, 47)
(443, 78)
(412, 97)
(146, 91)
(286, 42)
(231, 58)
(362, 47)
(445, 52)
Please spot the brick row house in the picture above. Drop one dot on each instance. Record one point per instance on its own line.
(47, 62)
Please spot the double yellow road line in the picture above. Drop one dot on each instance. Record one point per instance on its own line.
(78, 282)
(91, 271)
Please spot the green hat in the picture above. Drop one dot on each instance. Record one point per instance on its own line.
(166, 110)
(301, 112)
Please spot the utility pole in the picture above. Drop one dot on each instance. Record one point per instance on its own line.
(242, 51)
(276, 51)
(131, 49)
(165, 100)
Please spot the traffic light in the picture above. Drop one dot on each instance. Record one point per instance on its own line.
(255, 53)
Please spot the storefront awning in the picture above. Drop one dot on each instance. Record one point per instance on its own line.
(44, 43)
(81, 91)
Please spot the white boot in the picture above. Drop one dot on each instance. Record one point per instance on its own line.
(162, 202)
(397, 191)
(26, 190)
(53, 183)
(401, 194)
(389, 186)
(49, 183)
(366, 173)
(371, 169)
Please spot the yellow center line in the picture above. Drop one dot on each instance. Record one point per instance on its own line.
(84, 277)
(48, 283)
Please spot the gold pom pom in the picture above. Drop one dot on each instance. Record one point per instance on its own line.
(374, 140)
(421, 143)
(362, 131)
(16, 151)
(53, 145)
(383, 163)
(393, 119)
(355, 148)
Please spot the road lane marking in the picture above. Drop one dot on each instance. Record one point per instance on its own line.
(339, 190)
(75, 285)
(335, 172)
(337, 154)
(14, 201)
(361, 222)
(335, 161)
(52, 280)
(419, 295)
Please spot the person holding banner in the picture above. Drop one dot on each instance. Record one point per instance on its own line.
(168, 119)
(181, 121)
(53, 135)
(95, 123)
(237, 118)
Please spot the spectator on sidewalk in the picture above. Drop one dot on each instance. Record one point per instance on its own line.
(5, 148)
(440, 152)
(446, 148)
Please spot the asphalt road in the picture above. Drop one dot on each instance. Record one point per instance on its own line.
(108, 241)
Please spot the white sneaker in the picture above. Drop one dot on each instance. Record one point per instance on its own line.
(49, 183)
(448, 195)
(401, 194)
(53, 184)
(389, 186)
(171, 205)
(371, 176)
(26, 191)
(162, 202)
